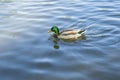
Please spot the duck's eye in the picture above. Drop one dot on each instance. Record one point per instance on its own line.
(52, 29)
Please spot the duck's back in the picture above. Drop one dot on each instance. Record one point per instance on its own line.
(70, 34)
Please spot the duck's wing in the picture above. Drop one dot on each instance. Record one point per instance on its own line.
(69, 32)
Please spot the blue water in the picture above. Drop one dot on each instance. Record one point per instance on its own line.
(27, 51)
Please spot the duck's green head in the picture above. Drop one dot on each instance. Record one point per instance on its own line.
(54, 29)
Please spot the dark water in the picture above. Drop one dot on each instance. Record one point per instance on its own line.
(27, 52)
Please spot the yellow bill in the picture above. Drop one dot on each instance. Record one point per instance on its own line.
(49, 31)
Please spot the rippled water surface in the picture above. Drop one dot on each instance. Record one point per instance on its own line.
(27, 51)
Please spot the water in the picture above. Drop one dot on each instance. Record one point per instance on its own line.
(27, 51)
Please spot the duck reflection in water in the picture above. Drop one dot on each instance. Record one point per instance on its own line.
(56, 40)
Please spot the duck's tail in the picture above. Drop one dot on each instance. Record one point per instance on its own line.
(81, 31)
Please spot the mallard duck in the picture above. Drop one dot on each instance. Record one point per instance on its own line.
(66, 34)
